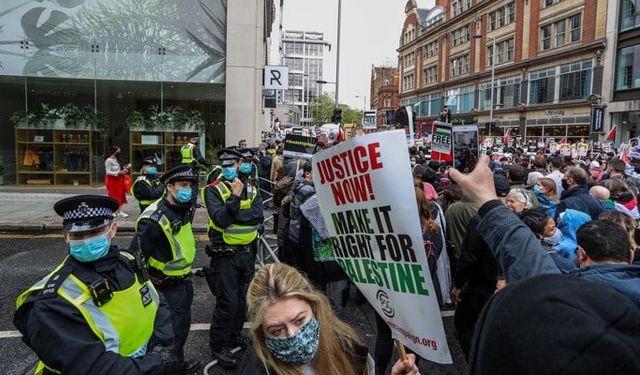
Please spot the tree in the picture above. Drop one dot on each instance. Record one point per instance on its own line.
(322, 109)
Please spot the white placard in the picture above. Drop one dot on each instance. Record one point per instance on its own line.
(276, 77)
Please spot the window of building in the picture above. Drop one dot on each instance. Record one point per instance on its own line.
(460, 100)
(431, 75)
(628, 68)
(575, 80)
(408, 82)
(460, 36)
(504, 52)
(459, 6)
(432, 49)
(409, 59)
(387, 101)
(548, 3)
(559, 33)
(502, 16)
(459, 66)
(506, 93)
(629, 14)
(542, 86)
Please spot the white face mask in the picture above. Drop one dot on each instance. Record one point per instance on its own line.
(555, 239)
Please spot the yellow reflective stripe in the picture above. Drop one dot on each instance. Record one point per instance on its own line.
(41, 366)
(234, 229)
(100, 324)
(39, 285)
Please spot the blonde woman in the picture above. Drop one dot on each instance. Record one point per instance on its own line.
(294, 330)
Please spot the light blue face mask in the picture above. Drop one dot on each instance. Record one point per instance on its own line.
(245, 168)
(536, 189)
(229, 173)
(184, 195)
(90, 249)
(298, 349)
(152, 171)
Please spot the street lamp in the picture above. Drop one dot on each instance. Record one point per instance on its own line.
(493, 74)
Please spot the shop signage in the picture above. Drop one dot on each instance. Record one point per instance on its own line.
(597, 119)
(276, 77)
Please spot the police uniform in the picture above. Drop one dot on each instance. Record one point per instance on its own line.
(163, 232)
(147, 188)
(100, 316)
(234, 224)
(248, 157)
(191, 155)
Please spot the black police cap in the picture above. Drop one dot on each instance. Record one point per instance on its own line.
(228, 156)
(149, 160)
(180, 173)
(247, 154)
(83, 213)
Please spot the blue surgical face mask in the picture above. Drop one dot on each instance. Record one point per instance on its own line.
(152, 171)
(89, 249)
(245, 168)
(229, 173)
(298, 349)
(536, 189)
(183, 195)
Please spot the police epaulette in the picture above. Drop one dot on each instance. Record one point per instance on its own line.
(156, 215)
(50, 288)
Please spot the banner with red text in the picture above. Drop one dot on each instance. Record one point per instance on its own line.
(367, 200)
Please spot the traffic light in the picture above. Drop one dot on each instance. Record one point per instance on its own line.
(337, 116)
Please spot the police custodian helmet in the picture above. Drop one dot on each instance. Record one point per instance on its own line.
(82, 213)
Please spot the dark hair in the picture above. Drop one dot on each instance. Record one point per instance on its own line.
(556, 162)
(578, 175)
(113, 149)
(603, 240)
(430, 176)
(306, 168)
(539, 164)
(434, 165)
(617, 165)
(536, 219)
(517, 173)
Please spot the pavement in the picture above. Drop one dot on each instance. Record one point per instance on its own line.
(31, 210)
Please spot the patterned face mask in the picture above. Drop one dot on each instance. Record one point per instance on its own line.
(298, 349)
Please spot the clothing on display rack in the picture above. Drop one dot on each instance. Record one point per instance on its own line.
(38, 158)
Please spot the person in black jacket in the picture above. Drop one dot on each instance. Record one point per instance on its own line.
(59, 316)
(147, 188)
(235, 222)
(576, 194)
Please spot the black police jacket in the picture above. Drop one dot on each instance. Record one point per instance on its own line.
(59, 334)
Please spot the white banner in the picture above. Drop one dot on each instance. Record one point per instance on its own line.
(376, 236)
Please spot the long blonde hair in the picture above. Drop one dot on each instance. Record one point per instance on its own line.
(276, 282)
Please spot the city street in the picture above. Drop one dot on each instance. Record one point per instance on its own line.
(24, 259)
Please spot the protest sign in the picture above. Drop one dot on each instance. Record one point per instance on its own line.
(442, 141)
(369, 120)
(375, 234)
(299, 146)
(583, 149)
(565, 149)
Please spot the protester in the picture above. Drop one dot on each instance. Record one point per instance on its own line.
(264, 168)
(543, 226)
(546, 194)
(617, 172)
(477, 275)
(621, 194)
(576, 195)
(518, 200)
(114, 179)
(625, 222)
(294, 330)
(458, 215)
(596, 171)
(555, 165)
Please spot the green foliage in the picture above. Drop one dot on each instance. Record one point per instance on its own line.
(322, 109)
(174, 118)
(74, 117)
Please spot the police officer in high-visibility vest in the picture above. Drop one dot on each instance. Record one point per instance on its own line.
(191, 155)
(248, 171)
(235, 222)
(163, 232)
(147, 188)
(97, 312)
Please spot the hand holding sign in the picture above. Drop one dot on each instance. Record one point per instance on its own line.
(406, 366)
(477, 185)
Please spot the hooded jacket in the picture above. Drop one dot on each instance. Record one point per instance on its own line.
(578, 198)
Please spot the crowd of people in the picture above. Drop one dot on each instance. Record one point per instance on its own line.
(538, 255)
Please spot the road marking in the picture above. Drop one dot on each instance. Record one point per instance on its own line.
(194, 327)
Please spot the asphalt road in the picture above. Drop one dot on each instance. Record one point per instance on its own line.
(26, 259)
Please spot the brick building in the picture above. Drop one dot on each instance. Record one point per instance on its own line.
(548, 64)
(384, 93)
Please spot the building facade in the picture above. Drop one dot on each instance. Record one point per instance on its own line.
(303, 54)
(547, 54)
(621, 89)
(128, 65)
(384, 94)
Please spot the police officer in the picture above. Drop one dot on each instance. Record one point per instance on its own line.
(96, 313)
(247, 169)
(235, 219)
(147, 188)
(191, 153)
(163, 232)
